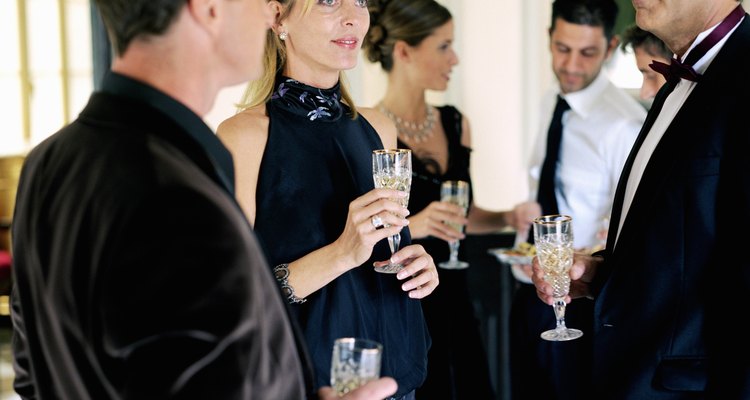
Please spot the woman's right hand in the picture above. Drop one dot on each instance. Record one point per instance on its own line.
(522, 216)
(430, 222)
(360, 234)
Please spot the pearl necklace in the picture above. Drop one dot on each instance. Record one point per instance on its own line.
(416, 132)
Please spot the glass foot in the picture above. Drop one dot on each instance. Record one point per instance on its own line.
(389, 269)
(561, 335)
(454, 265)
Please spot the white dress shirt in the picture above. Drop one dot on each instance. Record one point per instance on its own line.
(598, 133)
(671, 106)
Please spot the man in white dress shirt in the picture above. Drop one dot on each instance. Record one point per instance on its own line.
(671, 286)
(599, 125)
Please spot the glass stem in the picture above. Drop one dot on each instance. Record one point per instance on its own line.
(559, 307)
(394, 242)
(454, 250)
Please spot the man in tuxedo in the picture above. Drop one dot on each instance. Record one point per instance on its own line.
(586, 135)
(671, 286)
(136, 274)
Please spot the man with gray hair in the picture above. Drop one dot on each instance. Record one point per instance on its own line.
(136, 273)
(670, 289)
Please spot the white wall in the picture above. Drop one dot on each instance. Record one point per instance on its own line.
(224, 105)
(492, 93)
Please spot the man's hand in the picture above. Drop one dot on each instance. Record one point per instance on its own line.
(581, 274)
(375, 390)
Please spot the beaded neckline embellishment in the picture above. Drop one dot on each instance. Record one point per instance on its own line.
(412, 131)
(314, 103)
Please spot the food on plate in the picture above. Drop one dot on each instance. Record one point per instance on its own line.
(522, 250)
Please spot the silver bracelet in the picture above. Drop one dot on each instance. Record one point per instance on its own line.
(281, 273)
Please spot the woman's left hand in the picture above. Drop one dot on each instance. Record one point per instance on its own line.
(420, 275)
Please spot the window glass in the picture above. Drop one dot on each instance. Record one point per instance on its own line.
(56, 48)
(10, 84)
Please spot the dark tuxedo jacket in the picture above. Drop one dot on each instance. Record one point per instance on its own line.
(137, 275)
(672, 296)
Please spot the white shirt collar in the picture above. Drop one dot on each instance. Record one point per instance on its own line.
(582, 101)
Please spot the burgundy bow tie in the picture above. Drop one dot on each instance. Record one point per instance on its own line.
(678, 69)
(675, 70)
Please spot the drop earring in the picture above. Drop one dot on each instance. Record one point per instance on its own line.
(283, 35)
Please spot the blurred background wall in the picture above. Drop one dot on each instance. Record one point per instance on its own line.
(55, 51)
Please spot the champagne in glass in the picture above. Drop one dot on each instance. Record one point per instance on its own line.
(456, 192)
(391, 169)
(553, 236)
(354, 362)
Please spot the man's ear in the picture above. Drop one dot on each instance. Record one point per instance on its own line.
(612, 46)
(204, 13)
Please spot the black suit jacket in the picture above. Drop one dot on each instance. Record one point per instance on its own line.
(671, 297)
(137, 275)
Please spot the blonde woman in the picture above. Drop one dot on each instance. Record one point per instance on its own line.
(302, 154)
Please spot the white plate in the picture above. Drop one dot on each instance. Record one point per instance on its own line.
(506, 255)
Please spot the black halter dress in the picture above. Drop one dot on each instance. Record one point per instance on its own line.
(316, 161)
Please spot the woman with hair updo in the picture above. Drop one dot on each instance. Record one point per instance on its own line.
(303, 160)
(412, 40)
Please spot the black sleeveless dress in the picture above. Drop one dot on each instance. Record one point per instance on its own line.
(457, 361)
(316, 161)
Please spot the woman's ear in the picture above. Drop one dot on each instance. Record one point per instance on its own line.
(612, 46)
(276, 11)
(401, 51)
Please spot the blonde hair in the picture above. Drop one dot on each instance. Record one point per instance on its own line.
(259, 91)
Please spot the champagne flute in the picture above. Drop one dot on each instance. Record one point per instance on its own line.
(391, 169)
(456, 192)
(354, 362)
(553, 236)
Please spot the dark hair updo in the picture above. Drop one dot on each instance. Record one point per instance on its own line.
(408, 20)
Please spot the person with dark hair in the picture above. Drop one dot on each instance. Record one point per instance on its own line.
(303, 153)
(647, 49)
(136, 274)
(670, 288)
(589, 128)
(412, 41)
